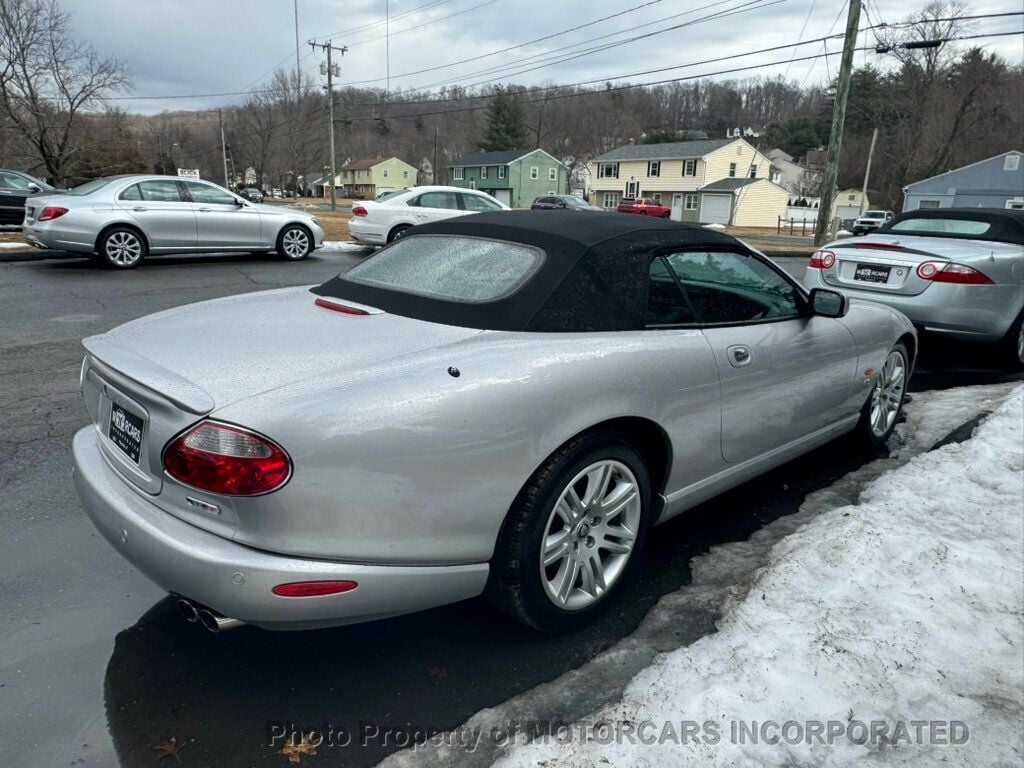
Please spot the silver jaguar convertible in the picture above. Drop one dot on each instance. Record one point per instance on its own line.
(500, 404)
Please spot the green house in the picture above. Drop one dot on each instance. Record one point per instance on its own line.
(516, 177)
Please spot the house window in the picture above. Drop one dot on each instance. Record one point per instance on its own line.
(851, 198)
(458, 174)
(732, 169)
(384, 173)
(689, 167)
(753, 170)
(501, 171)
(654, 168)
(611, 200)
(405, 174)
(483, 171)
(690, 202)
(552, 174)
(1011, 162)
(534, 172)
(608, 171)
(929, 204)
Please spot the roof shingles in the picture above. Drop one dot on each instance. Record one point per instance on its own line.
(675, 150)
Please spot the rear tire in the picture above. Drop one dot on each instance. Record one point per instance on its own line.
(882, 410)
(586, 511)
(1010, 349)
(294, 243)
(121, 248)
(397, 232)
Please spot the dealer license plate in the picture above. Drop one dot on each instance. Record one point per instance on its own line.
(126, 431)
(869, 273)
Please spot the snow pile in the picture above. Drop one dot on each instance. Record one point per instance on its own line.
(872, 618)
(714, 226)
(19, 246)
(341, 245)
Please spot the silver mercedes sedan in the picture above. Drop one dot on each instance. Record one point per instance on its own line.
(502, 403)
(119, 220)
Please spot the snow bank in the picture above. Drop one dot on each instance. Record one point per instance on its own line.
(341, 245)
(904, 607)
(714, 226)
(19, 246)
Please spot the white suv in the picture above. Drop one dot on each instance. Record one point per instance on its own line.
(870, 221)
(380, 221)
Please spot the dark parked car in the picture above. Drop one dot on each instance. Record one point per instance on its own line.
(567, 202)
(644, 206)
(252, 194)
(15, 188)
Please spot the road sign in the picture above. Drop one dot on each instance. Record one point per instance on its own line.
(189, 173)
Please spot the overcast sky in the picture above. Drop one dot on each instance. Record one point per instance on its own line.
(184, 47)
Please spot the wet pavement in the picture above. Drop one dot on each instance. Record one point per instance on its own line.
(98, 669)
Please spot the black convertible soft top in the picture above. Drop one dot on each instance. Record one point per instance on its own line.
(1006, 225)
(593, 278)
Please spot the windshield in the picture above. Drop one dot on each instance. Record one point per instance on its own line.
(579, 202)
(948, 226)
(89, 187)
(465, 269)
(874, 215)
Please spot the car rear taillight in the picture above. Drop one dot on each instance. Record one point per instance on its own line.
(345, 309)
(51, 212)
(822, 260)
(948, 272)
(359, 211)
(224, 459)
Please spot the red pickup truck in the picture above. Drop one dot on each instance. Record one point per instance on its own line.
(644, 206)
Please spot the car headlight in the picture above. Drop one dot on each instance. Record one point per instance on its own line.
(315, 220)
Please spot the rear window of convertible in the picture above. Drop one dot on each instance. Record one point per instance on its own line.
(948, 226)
(466, 269)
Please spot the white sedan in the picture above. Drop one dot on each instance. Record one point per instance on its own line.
(380, 221)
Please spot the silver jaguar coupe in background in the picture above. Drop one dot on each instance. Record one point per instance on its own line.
(121, 219)
(501, 403)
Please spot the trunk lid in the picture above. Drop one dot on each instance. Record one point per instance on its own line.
(168, 370)
(887, 263)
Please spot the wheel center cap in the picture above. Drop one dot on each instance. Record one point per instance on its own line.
(582, 531)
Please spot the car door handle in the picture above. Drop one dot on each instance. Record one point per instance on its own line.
(140, 208)
(204, 210)
(739, 356)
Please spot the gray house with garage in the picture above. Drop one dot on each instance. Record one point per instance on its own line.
(997, 182)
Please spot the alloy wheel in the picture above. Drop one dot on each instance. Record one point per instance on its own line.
(887, 396)
(123, 248)
(590, 535)
(295, 243)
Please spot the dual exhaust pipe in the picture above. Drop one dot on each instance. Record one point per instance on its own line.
(214, 622)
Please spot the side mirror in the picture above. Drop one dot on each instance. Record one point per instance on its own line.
(828, 303)
(562, 205)
(240, 202)
(33, 187)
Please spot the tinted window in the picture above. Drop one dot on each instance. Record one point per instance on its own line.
(207, 193)
(160, 191)
(131, 193)
(447, 200)
(942, 226)
(479, 203)
(450, 268)
(732, 288)
(11, 181)
(666, 304)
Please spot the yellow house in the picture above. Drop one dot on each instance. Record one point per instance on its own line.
(849, 203)
(366, 179)
(675, 174)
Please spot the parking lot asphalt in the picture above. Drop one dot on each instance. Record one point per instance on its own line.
(98, 669)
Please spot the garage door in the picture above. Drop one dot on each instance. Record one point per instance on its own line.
(504, 195)
(715, 209)
(847, 211)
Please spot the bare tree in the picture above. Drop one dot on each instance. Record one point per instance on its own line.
(47, 79)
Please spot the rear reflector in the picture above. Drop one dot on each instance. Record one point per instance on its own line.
(359, 211)
(880, 246)
(313, 588)
(822, 260)
(221, 458)
(345, 309)
(948, 272)
(51, 212)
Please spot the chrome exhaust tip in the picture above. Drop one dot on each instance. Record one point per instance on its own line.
(216, 623)
(188, 611)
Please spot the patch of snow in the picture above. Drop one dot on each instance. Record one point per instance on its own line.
(903, 607)
(20, 246)
(844, 233)
(714, 226)
(720, 579)
(341, 245)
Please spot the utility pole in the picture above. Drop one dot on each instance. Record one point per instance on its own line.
(330, 107)
(867, 170)
(434, 167)
(828, 185)
(223, 150)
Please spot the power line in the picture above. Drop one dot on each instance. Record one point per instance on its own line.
(411, 12)
(421, 25)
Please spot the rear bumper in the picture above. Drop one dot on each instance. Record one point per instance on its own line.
(982, 313)
(236, 580)
(56, 239)
(365, 232)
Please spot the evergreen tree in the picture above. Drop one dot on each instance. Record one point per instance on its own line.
(506, 122)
